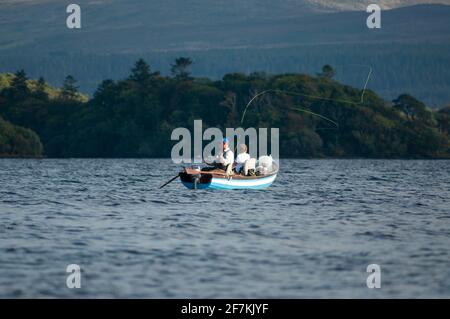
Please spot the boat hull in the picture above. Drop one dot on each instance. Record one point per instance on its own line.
(224, 183)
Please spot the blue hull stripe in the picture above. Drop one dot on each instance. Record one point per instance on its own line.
(237, 184)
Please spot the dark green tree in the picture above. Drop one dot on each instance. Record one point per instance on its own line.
(69, 89)
(411, 107)
(105, 93)
(180, 68)
(141, 72)
(41, 92)
(327, 72)
(142, 79)
(19, 86)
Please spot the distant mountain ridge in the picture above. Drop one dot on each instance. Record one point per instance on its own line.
(410, 53)
(112, 27)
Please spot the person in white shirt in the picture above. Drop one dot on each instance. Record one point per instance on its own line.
(241, 158)
(227, 157)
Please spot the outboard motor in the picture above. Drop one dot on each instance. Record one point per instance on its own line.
(196, 179)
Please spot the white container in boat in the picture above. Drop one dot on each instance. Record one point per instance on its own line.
(265, 161)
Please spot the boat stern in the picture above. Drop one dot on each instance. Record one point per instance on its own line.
(196, 180)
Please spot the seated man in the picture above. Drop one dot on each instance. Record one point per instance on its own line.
(241, 158)
(226, 159)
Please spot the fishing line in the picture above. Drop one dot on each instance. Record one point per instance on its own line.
(277, 91)
(318, 115)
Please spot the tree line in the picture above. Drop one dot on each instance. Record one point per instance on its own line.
(134, 117)
(421, 70)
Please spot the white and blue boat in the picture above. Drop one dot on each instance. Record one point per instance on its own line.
(217, 179)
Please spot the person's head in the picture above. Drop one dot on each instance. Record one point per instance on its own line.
(225, 143)
(242, 148)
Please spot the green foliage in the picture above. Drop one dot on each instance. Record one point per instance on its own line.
(411, 107)
(69, 89)
(18, 141)
(5, 80)
(443, 119)
(180, 68)
(134, 117)
(327, 72)
(19, 87)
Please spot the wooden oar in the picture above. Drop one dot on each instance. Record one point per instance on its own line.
(170, 181)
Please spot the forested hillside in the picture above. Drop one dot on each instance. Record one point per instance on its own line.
(134, 117)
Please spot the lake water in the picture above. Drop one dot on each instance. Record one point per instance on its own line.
(312, 234)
